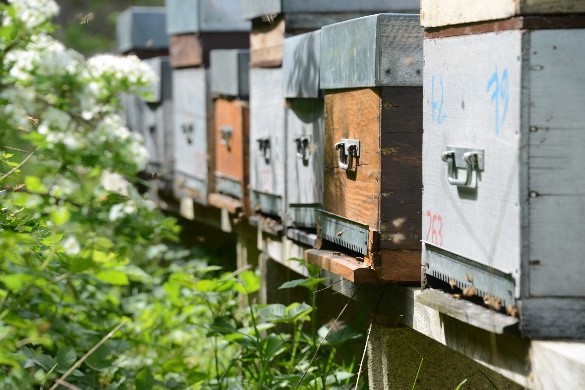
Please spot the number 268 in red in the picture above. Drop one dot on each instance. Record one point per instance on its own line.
(435, 230)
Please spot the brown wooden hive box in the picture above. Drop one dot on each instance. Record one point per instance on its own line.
(383, 187)
(372, 145)
(231, 140)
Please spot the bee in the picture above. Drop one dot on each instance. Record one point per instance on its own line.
(85, 18)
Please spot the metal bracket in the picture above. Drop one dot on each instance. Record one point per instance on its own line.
(264, 147)
(188, 129)
(472, 160)
(303, 147)
(348, 150)
(226, 134)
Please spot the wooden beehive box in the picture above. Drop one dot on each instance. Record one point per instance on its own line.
(273, 20)
(142, 31)
(198, 26)
(157, 127)
(452, 12)
(371, 71)
(193, 134)
(503, 170)
(304, 130)
(229, 85)
(267, 142)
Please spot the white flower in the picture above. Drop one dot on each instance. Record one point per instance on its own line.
(120, 210)
(34, 12)
(71, 246)
(129, 68)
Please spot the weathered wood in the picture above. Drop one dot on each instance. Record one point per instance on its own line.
(300, 65)
(229, 72)
(192, 50)
(468, 312)
(517, 95)
(553, 318)
(451, 12)
(353, 114)
(193, 16)
(304, 168)
(387, 176)
(482, 224)
(232, 147)
(220, 201)
(257, 8)
(141, 29)
(267, 125)
(266, 40)
(377, 50)
(530, 22)
(191, 100)
(341, 265)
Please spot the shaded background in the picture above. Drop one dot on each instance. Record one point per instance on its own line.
(89, 26)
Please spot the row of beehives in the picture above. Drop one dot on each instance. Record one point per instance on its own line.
(333, 140)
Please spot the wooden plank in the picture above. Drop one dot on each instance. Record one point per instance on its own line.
(229, 72)
(461, 109)
(141, 29)
(346, 267)
(267, 122)
(193, 16)
(191, 105)
(377, 50)
(401, 181)
(353, 114)
(229, 157)
(452, 12)
(468, 312)
(530, 22)
(400, 266)
(304, 173)
(185, 51)
(192, 50)
(233, 206)
(300, 65)
(553, 318)
(266, 40)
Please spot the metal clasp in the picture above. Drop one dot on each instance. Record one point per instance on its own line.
(264, 147)
(188, 129)
(472, 160)
(226, 135)
(348, 150)
(302, 147)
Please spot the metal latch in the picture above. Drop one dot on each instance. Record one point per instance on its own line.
(188, 129)
(226, 134)
(302, 147)
(348, 150)
(472, 160)
(264, 147)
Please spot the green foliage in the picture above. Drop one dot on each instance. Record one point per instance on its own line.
(93, 292)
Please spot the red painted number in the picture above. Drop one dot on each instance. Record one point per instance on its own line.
(435, 230)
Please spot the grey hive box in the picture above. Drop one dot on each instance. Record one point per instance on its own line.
(441, 13)
(304, 129)
(195, 16)
(375, 50)
(272, 21)
(503, 160)
(157, 128)
(141, 29)
(193, 118)
(229, 72)
(267, 142)
(371, 75)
